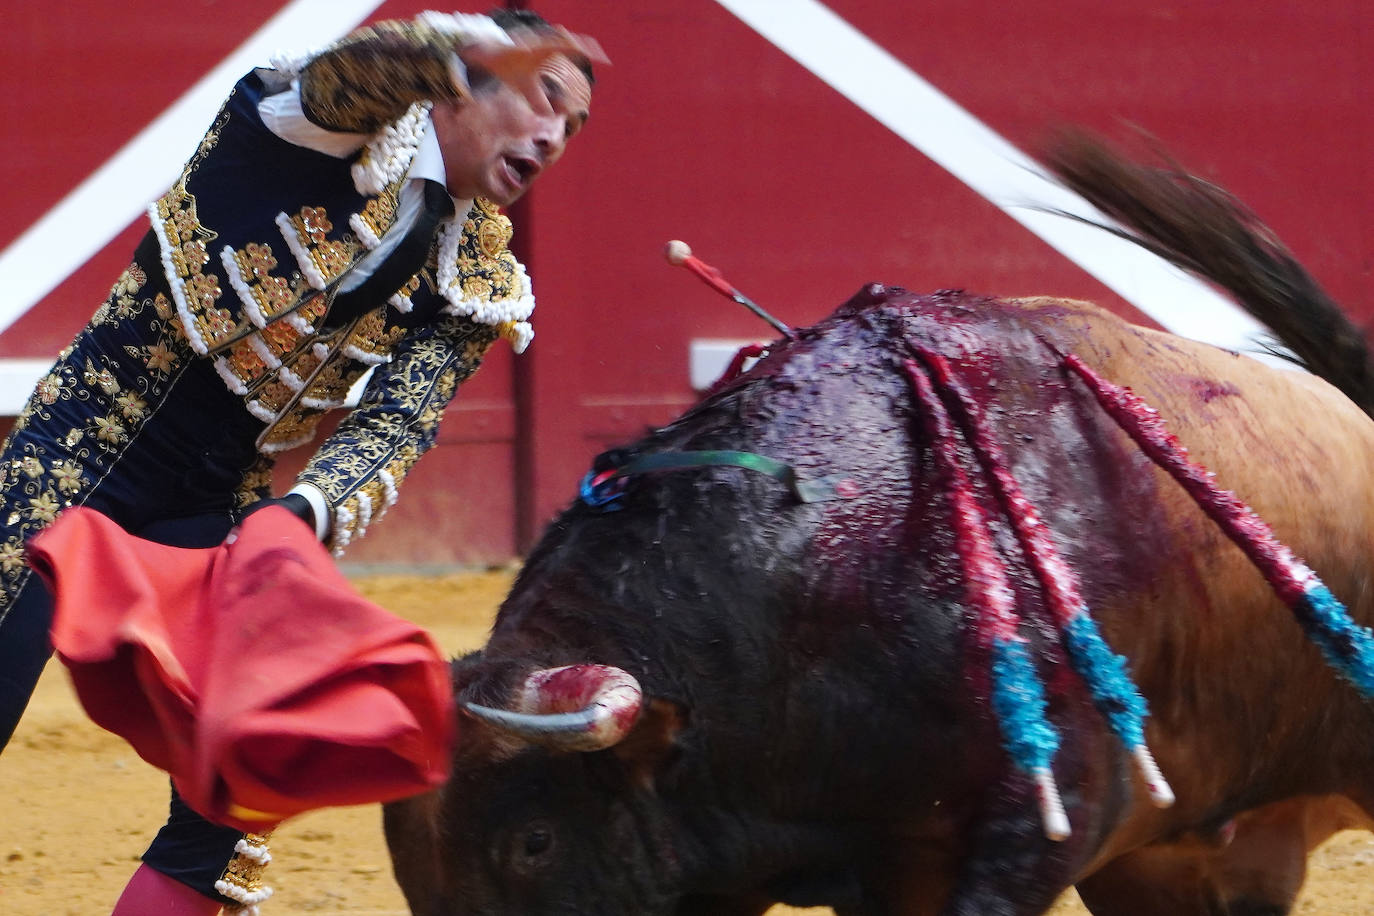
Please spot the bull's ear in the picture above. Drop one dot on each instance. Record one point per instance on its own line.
(653, 742)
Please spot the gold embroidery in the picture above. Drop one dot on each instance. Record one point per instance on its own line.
(185, 249)
(257, 483)
(121, 304)
(109, 431)
(495, 232)
(129, 282)
(242, 878)
(378, 214)
(281, 338)
(270, 294)
(402, 62)
(49, 389)
(161, 357)
(274, 396)
(328, 256)
(48, 471)
(398, 423)
(296, 428)
(131, 406)
(257, 260)
(482, 269)
(11, 558)
(411, 287)
(245, 362)
(305, 364)
(313, 311)
(370, 335)
(331, 385)
(68, 475)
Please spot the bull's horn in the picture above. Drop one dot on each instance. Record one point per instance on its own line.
(573, 708)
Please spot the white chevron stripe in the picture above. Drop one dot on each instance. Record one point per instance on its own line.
(863, 72)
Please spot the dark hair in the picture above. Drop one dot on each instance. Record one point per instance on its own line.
(528, 19)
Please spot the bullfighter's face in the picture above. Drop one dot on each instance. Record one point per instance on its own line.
(496, 143)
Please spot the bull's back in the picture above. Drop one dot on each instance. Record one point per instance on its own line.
(1287, 443)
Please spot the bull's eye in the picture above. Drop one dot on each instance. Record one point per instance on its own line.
(532, 847)
(538, 841)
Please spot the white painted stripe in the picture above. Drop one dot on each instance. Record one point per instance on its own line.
(17, 380)
(115, 195)
(866, 74)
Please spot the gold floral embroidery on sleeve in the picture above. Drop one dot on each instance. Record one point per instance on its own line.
(361, 467)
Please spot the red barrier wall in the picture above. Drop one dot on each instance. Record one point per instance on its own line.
(705, 131)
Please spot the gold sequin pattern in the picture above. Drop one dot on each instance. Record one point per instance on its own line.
(379, 213)
(330, 256)
(185, 248)
(271, 294)
(243, 875)
(371, 335)
(486, 268)
(257, 483)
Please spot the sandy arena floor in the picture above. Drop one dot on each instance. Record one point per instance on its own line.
(80, 806)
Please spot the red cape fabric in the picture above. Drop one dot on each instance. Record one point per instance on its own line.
(252, 672)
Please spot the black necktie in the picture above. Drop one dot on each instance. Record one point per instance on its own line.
(398, 257)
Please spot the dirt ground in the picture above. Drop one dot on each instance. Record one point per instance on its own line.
(80, 806)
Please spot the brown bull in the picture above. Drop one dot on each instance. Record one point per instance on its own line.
(1255, 865)
(780, 698)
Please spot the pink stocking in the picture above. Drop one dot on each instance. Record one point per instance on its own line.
(151, 893)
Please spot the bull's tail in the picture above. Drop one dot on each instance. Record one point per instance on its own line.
(1203, 229)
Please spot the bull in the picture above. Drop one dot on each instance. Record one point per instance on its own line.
(751, 665)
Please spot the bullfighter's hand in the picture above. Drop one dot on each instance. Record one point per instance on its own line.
(517, 64)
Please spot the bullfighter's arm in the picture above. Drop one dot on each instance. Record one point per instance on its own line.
(368, 79)
(359, 467)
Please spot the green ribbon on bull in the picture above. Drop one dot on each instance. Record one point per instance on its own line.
(807, 491)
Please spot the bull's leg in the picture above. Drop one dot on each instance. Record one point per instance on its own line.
(1153, 882)
(1022, 878)
(1013, 868)
(1257, 870)
(1161, 884)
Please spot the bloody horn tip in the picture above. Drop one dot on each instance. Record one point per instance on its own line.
(677, 252)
